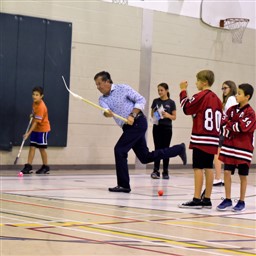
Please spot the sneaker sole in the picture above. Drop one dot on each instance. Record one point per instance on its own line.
(224, 209)
(26, 173)
(218, 184)
(190, 207)
(233, 210)
(207, 207)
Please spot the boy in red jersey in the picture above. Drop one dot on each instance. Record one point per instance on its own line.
(236, 152)
(38, 132)
(206, 110)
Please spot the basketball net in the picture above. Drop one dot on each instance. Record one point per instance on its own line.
(124, 2)
(236, 26)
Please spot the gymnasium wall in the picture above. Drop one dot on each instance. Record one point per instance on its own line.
(108, 37)
(34, 52)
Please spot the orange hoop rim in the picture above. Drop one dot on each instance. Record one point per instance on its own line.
(225, 23)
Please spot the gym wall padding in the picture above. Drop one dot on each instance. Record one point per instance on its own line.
(39, 54)
(8, 56)
(57, 64)
(30, 70)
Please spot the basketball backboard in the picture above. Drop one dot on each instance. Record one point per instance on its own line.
(214, 11)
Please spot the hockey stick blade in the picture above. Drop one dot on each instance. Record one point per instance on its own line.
(16, 160)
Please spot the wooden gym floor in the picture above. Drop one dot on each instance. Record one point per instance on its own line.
(72, 213)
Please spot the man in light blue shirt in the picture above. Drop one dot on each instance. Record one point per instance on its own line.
(124, 101)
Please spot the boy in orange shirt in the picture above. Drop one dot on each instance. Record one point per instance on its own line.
(38, 132)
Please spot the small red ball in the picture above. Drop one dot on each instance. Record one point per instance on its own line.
(160, 192)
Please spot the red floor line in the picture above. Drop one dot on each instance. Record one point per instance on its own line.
(34, 190)
(103, 242)
(69, 210)
(116, 217)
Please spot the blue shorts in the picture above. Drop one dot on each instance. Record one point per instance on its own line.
(39, 139)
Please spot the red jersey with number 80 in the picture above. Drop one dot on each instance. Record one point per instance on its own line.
(206, 110)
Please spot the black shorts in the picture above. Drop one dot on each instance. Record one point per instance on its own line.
(243, 169)
(202, 160)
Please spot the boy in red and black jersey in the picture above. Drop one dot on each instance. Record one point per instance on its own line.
(206, 110)
(238, 125)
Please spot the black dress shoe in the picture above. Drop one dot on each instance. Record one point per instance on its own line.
(183, 155)
(119, 189)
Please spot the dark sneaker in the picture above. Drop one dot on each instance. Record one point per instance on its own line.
(183, 155)
(155, 175)
(45, 169)
(225, 205)
(240, 206)
(165, 176)
(206, 203)
(27, 169)
(194, 204)
(119, 189)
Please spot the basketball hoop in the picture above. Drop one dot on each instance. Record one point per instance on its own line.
(236, 26)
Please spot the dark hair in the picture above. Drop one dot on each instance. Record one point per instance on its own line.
(38, 89)
(233, 91)
(105, 76)
(206, 75)
(166, 87)
(247, 88)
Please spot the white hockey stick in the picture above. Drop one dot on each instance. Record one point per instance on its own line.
(91, 103)
(22, 144)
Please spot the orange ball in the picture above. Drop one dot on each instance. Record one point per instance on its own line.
(160, 192)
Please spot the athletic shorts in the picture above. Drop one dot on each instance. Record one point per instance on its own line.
(201, 159)
(243, 169)
(39, 139)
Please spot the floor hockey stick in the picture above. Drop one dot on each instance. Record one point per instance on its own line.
(203, 194)
(23, 141)
(91, 103)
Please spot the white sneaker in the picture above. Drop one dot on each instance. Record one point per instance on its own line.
(218, 182)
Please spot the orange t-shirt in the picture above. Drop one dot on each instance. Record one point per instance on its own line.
(40, 114)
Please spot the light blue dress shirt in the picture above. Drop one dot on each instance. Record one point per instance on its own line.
(122, 100)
